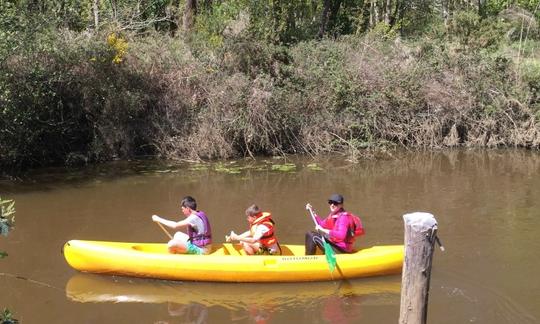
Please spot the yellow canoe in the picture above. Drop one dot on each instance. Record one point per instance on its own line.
(227, 263)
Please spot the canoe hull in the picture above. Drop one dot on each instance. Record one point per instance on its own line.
(227, 264)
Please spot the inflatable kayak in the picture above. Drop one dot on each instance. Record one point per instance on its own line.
(227, 262)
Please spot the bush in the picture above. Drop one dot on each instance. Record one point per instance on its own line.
(71, 98)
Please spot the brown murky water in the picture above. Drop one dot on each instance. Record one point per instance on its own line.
(486, 204)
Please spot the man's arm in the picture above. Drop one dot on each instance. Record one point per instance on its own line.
(169, 223)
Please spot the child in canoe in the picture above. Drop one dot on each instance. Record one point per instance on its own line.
(261, 237)
(198, 239)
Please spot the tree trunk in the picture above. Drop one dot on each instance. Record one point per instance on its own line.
(371, 14)
(95, 11)
(481, 8)
(374, 12)
(324, 18)
(388, 12)
(445, 11)
(190, 11)
(400, 10)
(334, 9)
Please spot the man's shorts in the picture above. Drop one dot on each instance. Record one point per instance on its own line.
(194, 249)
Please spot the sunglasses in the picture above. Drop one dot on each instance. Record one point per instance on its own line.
(331, 202)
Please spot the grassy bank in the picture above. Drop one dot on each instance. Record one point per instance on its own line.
(73, 97)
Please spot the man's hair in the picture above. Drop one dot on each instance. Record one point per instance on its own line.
(252, 210)
(189, 202)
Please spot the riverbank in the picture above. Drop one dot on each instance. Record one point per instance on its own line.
(76, 98)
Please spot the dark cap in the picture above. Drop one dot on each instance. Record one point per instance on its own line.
(336, 198)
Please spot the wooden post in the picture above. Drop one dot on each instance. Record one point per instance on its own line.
(420, 236)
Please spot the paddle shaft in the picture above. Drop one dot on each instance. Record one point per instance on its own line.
(315, 221)
(328, 251)
(313, 216)
(164, 230)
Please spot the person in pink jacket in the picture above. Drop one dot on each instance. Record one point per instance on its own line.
(340, 229)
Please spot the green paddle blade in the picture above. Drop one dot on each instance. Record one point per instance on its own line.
(330, 256)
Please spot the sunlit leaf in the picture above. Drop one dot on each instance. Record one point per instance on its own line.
(7, 318)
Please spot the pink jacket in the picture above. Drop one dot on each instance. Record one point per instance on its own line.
(338, 224)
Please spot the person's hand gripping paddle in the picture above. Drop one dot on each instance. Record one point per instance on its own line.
(328, 251)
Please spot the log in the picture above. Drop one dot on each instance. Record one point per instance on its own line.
(420, 237)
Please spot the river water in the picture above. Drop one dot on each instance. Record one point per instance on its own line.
(486, 205)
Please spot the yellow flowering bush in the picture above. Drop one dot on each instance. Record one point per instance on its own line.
(119, 45)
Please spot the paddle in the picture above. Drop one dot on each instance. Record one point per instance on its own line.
(164, 230)
(328, 251)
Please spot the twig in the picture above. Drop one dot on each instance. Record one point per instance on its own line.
(30, 280)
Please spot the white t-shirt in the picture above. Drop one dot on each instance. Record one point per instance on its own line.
(260, 230)
(196, 223)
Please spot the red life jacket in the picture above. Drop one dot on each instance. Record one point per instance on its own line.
(269, 238)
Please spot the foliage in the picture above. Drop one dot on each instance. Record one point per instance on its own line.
(224, 19)
(287, 167)
(262, 78)
(232, 169)
(7, 218)
(119, 46)
(383, 31)
(530, 73)
(282, 21)
(314, 167)
(6, 317)
(463, 24)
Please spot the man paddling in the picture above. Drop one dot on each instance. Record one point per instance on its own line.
(198, 239)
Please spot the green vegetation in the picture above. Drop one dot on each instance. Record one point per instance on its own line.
(314, 167)
(7, 222)
(7, 318)
(231, 168)
(7, 217)
(287, 167)
(89, 81)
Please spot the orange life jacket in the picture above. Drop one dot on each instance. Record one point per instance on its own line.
(269, 238)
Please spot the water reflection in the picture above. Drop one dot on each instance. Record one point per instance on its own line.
(189, 313)
(189, 302)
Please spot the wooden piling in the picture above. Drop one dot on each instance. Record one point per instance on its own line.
(420, 236)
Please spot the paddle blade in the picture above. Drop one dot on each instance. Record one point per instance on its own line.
(330, 256)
